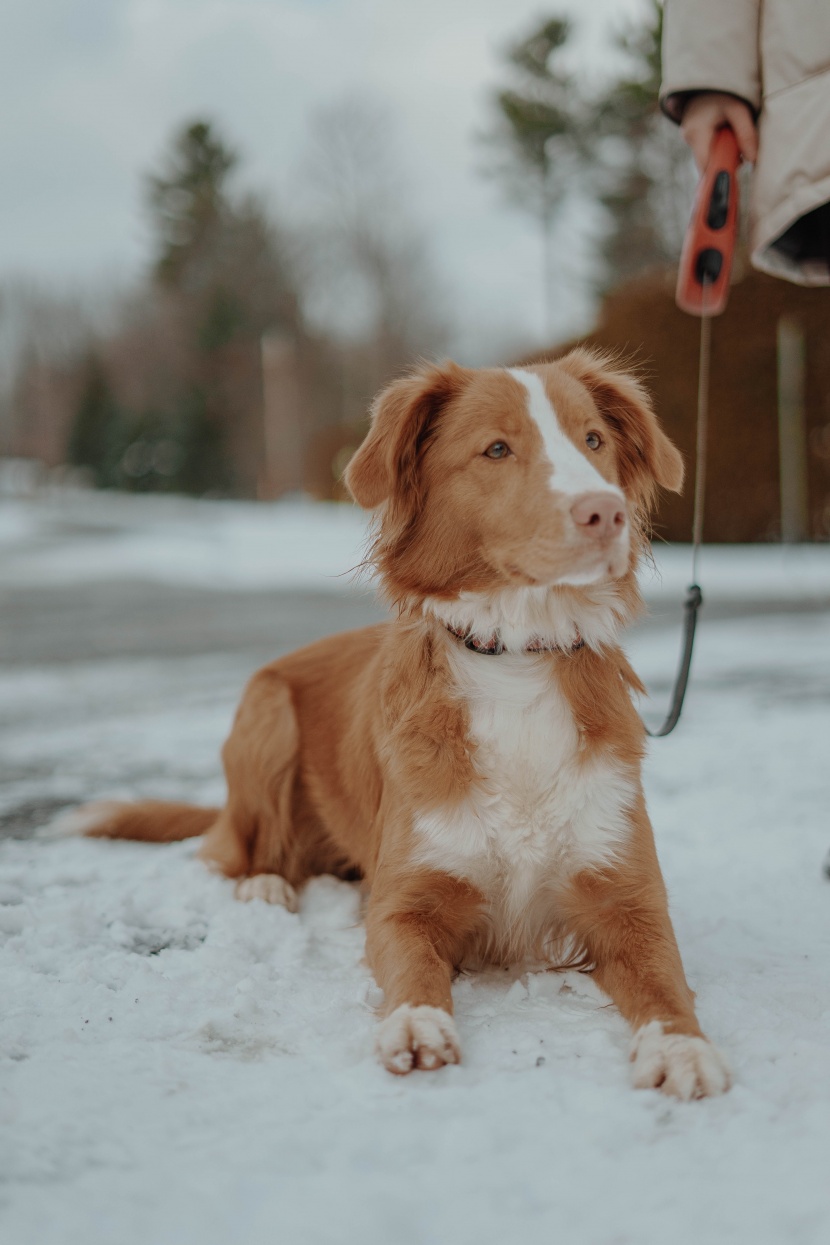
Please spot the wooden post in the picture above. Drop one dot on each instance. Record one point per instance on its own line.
(281, 417)
(792, 432)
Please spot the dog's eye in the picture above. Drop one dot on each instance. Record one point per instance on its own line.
(499, 449)
(593, 440)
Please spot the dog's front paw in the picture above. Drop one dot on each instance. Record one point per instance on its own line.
(417, 1037)
(269, 887)
(676, 1063)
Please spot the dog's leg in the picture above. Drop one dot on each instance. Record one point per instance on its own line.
(621, 918)
(254, 838)
(415, 935)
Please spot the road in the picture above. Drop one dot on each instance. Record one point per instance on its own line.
(123, 688)
(81, 667)
(120, 619)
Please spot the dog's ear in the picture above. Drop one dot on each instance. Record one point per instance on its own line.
(404, 417)
(646, 455)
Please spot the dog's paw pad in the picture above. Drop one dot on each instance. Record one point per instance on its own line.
(269, 887)
(417, 1037)
(683, 1066)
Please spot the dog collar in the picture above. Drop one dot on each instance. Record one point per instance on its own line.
(494, 645)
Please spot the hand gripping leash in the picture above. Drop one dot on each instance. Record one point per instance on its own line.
(702, 290)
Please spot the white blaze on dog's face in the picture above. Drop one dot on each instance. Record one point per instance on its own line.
(594, 514)
(525, 477)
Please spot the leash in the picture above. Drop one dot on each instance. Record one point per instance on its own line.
(702, 290)
(694, 593)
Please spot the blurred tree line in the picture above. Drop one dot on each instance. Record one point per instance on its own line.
(245, 364)
(220, 277)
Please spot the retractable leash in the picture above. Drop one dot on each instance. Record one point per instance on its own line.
(702, 290)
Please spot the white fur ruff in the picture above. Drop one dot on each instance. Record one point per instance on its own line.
(556, 616)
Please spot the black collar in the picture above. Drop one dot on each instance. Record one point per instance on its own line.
(494, 645)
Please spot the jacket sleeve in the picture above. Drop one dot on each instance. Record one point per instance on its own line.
(710, 45)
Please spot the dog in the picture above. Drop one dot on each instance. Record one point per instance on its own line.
(476, 761)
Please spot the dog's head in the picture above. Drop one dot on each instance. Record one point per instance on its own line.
(487, 479)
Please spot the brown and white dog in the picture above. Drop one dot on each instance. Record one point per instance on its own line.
(477, 760)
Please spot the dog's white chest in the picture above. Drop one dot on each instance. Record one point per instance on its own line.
(540, 810)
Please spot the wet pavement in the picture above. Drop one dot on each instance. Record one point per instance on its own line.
(124, 688)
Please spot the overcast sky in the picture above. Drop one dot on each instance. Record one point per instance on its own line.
(91, 90)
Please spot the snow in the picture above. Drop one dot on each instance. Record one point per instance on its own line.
(179, 1068)
(77, 537)
(759, 573)
(72, 537)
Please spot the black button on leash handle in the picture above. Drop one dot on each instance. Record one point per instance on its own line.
(718, 213)
(708, 266)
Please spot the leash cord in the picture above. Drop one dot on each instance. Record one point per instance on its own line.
(694, 595)
(693, 602)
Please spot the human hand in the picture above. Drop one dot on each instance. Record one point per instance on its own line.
(707, 112)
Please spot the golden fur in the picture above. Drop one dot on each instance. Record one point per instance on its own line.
(337, 750)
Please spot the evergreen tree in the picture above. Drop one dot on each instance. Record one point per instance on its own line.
(540, 135)
(614, 146)
(641, 171)
(178, 449)
(222, 266)
(188, 202)
(218, 253)
(96, 439)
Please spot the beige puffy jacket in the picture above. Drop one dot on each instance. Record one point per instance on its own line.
(775, 54)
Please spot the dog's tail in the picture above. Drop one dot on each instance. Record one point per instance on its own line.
(151, 821)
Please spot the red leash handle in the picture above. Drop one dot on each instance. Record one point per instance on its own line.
(706, 258)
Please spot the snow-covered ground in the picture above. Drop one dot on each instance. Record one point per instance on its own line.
(79, 537)
(177, 1068)
(73, 537)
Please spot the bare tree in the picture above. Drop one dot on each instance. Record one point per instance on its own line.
(640, 170)
(370, 274)
(42, 330)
